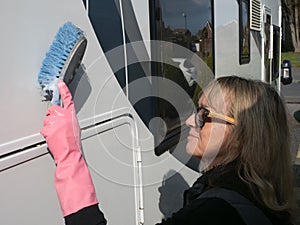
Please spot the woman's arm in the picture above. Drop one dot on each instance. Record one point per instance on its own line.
(73, 183)
(90, 215)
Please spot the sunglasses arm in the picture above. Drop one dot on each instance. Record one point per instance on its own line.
(222, 117)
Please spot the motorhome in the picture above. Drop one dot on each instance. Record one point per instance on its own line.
(144, 66)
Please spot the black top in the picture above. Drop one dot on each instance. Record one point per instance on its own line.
(201, 211)
(88, 216)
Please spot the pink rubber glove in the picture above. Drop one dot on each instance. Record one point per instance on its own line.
(61, 130)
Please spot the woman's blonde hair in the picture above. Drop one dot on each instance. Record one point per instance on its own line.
(260, 139)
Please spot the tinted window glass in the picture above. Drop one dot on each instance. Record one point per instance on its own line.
(276, 52)
(244, 31)
(267, 46)
(188, 24)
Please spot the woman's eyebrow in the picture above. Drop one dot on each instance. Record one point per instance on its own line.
(205, 106)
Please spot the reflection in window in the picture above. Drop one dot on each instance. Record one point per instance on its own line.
(188, 24)
(244, 31)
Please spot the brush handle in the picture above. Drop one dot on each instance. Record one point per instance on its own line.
(56, 100)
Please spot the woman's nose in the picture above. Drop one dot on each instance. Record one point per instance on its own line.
(190, 122)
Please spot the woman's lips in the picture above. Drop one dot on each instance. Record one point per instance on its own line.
(193, 135)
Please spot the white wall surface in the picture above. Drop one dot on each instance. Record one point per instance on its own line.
(26, 177)
(227, 43)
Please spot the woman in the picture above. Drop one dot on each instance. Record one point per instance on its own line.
(240, 132)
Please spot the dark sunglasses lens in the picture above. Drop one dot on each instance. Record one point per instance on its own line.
(199, 118)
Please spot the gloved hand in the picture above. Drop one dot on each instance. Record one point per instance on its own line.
(61, 130)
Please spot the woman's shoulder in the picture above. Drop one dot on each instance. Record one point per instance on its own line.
(212, 211)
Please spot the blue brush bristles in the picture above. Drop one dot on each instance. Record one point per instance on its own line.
(61, 47)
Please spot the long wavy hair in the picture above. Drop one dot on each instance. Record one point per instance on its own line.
(260, 139)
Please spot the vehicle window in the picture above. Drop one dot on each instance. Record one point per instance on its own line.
(188, 24)
(244, 30)
(276, 52)
(267, 46)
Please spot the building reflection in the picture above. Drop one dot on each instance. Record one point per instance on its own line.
(187, 24)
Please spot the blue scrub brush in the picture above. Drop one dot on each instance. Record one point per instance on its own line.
(61, 61)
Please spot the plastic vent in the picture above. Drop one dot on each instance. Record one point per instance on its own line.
(255, 15)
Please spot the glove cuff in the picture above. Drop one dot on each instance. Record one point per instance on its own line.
(74, 185)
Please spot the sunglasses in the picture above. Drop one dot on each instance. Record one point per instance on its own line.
(202, 113)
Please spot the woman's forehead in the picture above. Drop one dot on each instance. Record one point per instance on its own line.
(213, 97)
(202, 100)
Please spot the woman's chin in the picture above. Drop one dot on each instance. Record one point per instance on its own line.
(191, 147)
